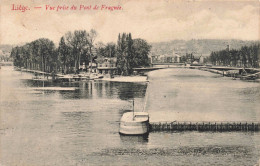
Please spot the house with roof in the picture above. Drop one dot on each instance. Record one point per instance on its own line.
(198, 58)
(105, 65)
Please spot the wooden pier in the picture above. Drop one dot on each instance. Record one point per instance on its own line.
(205, 126)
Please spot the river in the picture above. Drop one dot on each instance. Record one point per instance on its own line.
(80, 127)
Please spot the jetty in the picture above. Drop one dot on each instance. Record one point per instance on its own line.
(204, 126)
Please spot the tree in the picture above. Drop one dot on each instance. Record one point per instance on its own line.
(78, 42)
(64, 55)
(15, 54)
(246, 56)
(141, 50)
(91, 39)
(123, 54)
(108, 50)
(131, 53)
(256, 55)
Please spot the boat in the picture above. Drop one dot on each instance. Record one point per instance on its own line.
(134, 123)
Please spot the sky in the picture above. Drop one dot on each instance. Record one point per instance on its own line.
(152, 20)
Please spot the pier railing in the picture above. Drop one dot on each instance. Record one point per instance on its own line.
(204, 126)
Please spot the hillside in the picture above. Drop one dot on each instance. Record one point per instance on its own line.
(6, 47)
(200, 46)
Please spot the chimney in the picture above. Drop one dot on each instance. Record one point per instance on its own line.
(227, 47)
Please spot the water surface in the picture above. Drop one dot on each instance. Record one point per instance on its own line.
(81, 127)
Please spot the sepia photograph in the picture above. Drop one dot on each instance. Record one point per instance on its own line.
(129, 83)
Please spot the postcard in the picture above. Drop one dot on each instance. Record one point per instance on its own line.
(129, 82)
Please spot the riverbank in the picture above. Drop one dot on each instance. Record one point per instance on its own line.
(240, 73)
(83, 76)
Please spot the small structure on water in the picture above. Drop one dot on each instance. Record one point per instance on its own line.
(134, 123)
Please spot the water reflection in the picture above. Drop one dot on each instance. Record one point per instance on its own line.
(134, 139)
(95, 89)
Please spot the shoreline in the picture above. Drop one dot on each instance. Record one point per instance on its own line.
(234, 74)
(70, 77)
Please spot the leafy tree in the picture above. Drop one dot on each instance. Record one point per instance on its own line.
(131, 53)
(64, 55)
(246, 56)
(91, 39)
(123, 56)
(141, 50)
(78, 42)
(15, 54)
(108, 50)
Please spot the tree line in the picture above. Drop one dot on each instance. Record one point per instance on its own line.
(41, 54)
(79, 47)
(246, 56)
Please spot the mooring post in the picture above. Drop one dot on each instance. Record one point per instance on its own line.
(227, 127)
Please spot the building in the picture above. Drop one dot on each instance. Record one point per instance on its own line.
(106, 65)
(199, 58)
(155, 58)
(166, 58)
(176, 57)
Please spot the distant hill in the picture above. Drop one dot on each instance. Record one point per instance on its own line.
(198, 46)
(6, 47)
(5, 51)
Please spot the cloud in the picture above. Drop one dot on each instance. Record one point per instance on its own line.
(152, 20)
